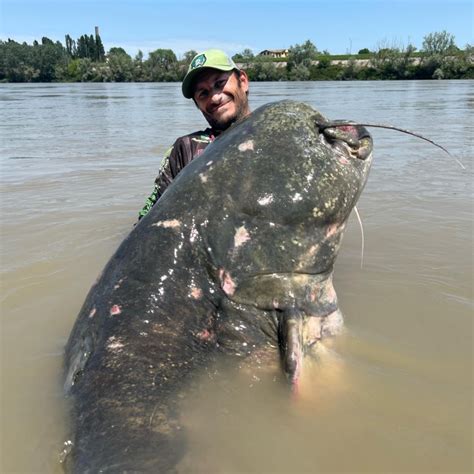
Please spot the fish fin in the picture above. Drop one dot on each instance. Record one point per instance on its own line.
(291, 343)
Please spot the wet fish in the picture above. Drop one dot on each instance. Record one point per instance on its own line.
(235, 260)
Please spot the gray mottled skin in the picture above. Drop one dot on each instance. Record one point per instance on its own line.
(235, 260)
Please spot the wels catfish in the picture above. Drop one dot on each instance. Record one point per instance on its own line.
(235, 261)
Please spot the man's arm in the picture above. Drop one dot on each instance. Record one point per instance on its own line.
(162, 181)
(149, 203)
(183, 151)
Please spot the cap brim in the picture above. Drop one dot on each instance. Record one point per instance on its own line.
(188, 82)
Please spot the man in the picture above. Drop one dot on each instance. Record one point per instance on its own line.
(220, 91)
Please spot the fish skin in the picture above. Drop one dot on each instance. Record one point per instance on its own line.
(247, 233)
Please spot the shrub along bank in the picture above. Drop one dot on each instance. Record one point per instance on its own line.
(85, 60)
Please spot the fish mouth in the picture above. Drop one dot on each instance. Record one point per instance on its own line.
(304, 307)
(314, 294)
(346, 139)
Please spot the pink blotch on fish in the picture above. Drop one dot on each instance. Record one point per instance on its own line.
(241, 236)
(227, 284)
(115, 310)
(246, 146)
(196, 293)
(343, 161)
(168, 224)
(332, 230)
(205, 335)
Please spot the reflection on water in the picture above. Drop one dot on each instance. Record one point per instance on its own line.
(394, 394)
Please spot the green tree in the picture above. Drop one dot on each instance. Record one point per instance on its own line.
(324, 60)
(439, 43)
(261, 69)
(16, 63)
(467, 58)
(188, 57)
(117, 50)
(300, 72)
(348, 70)
(70, 46)
(391, 63)
(86, 47)
(183, 64)
(99, 52)
(82, 50)
(48, 56)
(439, 51)
(139, 56)
(457, 66)
(246, 56)
(120, 65)
(138, 72)
(46, 41)
(74, 70)
(25, 63)
(300, 59)
(85, 70)
(162, 65)
(325, 70)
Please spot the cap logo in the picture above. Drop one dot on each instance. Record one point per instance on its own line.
(198, 61)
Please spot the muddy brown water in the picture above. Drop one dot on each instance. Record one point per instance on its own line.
(393, 394)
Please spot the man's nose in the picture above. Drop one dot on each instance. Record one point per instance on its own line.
(216, 95)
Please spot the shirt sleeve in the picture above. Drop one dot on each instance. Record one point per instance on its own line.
(162, 181)
(176, 158)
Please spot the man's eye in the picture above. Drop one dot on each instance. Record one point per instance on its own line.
(202, 94)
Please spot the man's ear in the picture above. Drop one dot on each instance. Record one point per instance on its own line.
(244, 81)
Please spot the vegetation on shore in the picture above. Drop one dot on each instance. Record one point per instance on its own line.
(85, 60)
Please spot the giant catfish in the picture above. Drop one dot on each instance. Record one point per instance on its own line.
(235, 260)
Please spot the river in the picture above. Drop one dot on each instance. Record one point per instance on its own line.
(393, 394)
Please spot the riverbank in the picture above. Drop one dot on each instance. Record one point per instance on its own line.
(51, 62)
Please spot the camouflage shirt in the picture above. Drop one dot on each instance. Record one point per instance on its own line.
(183, 151)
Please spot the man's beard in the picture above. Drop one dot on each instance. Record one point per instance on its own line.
(224, 124)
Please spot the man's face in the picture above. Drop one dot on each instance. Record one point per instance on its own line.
(222, 97)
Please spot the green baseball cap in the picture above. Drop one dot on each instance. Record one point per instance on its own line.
(212, 59)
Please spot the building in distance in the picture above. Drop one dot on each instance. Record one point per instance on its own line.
(275, 53)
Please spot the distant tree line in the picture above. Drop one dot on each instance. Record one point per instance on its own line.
(84, 60)
(439, 58)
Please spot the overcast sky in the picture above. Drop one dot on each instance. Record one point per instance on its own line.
(337, 26)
